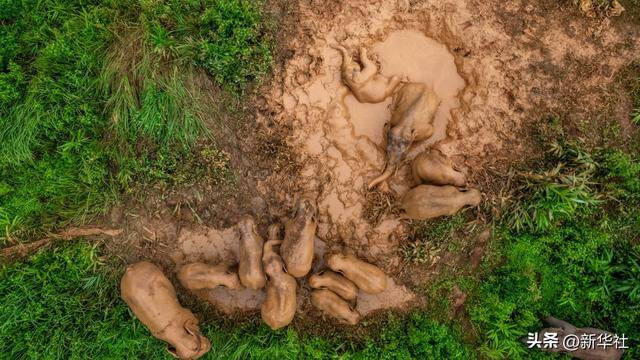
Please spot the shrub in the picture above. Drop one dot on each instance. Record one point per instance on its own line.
(235, 48)
(583, 269)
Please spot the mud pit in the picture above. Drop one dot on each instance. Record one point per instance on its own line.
(415, 58)
(485, 69)
(342, 141)
(495, 66)
(222, 246)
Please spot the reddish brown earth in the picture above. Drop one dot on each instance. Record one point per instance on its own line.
(498, 68)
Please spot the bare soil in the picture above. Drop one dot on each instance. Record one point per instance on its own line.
(497, 66)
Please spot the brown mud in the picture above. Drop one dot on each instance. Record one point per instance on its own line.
(496, 66)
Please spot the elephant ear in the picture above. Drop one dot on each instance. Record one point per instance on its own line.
(171, 350)
(191, 327)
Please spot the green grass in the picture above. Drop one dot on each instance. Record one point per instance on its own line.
(64, 304)
(99, 97)
(430, 237)
(58, 306)
(582, 274)
(564, 190)
(579, 263)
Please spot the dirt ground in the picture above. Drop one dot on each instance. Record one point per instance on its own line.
(498, 68)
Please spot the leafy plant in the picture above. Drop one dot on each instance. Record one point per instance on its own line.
(429, 237)
(551, 196)
(235, 49)
(583, 269)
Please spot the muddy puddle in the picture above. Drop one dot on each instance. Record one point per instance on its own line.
(492, 76)
(342, 141)
(415, 58)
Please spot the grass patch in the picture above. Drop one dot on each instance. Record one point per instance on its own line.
(577, 261)
(428, 238)
(57, 305)
(563, 191)
(64, 304)
(99, 98)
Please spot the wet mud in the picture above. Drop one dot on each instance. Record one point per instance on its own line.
(481, 65)
(492, 74)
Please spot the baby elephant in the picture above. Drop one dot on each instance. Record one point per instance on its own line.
(369, 278)
(279, 306)
(413, 111)
(428, 201)
(250, 268)
(299, 234)
(333, 305)
(335, 282)
(200, 276)
(153, 300)
(433, 167)
(367, 85)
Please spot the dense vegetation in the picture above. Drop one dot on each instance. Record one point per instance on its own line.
(96, 96)
(570, 249)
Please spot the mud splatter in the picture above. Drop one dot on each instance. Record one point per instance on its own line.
(231, 301)
(343, 139)
(394, 296)
(208, 245)
(419, 59)
(492, 74)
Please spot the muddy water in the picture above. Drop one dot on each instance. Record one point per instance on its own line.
(208, 245)
(214, 246)
(231, 301)
(342, 140)
(415, 58)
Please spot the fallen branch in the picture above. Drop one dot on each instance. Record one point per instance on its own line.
(23, 250)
